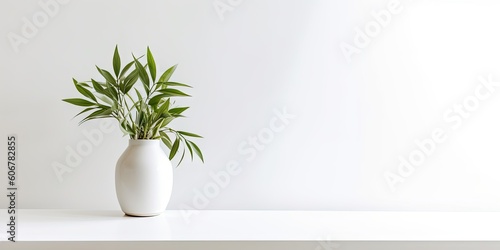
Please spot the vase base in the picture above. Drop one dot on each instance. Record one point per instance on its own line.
(143, 214)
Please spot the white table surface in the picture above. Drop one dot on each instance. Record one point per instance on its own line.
(231, 225)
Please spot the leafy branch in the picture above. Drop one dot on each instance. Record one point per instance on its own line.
(146, 112)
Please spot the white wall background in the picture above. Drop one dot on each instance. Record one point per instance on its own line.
(352, 120)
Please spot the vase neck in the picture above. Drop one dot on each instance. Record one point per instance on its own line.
(133, 142)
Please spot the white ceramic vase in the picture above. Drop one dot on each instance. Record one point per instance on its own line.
(143, 179)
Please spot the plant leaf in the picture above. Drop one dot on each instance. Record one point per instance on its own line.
(166, 140)
(98, 87)
(79, 102)
(167, 74)
(116, 62)
(138, 94)
(112, 91)
(156, 99)
(166, 120)
(174, 149)
(138, 118)
(182, 158)
(80, 83)
(178, 110)
(130, 80)
(172, 92)
(126, 68)
(196, 150)
(190, 150)
(174, 84)
(143, 75)
(106, 100)
(126, 128)
(109, 78)
(151, 65)
(85, 110)
(85, 92)
(164, 107)
(101, 113)
(83, 84)
(189, 134)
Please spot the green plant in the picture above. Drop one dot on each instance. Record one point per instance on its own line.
(143, 113)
